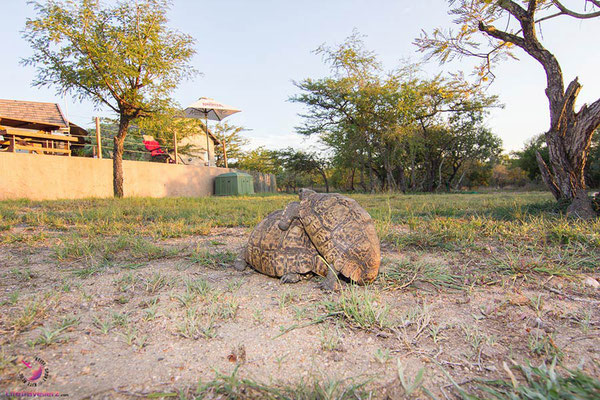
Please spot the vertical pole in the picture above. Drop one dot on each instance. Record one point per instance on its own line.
(207, 146)
(98, 138)
(175, 145)
(225, 154)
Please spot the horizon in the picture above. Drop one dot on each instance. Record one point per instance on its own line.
(262, 82)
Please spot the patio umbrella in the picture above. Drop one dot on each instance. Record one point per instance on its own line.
(207, 108)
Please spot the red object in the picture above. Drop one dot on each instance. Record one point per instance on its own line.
(154, 148)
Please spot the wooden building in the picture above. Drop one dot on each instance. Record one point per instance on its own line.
(37, 128)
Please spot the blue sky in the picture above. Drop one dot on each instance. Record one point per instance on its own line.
(250, 52)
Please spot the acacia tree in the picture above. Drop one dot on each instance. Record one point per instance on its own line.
(471, 142)
(342, 105)
(258, 159)
(504, 24)
(230, 136)
(437, 102)
(121, 56)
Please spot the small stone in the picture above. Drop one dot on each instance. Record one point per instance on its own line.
(591, 282)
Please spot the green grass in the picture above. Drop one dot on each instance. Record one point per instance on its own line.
(361, 307)
(503, 233)
(233, 386)
(160, 218)
(214, 260)
(76, 247)
(406, 274)
(541, 382)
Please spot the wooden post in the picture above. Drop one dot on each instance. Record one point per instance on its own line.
(225, 154)
(175, 145)
(98, 138)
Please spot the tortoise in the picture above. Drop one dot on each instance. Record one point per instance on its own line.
(341, 230)
(285, 254)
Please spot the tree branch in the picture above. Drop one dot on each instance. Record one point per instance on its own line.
(575, 14)
(501, 35)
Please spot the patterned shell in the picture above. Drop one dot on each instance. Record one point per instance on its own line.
(274, 252)
(344, 233)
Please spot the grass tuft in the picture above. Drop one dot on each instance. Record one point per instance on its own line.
(361, 307)
(541, 382)
(405, 274)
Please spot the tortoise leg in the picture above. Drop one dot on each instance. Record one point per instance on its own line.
(331, 281)
(290, 213)
(290, 277)
(240, 264)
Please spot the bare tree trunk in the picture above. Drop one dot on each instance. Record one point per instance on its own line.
(570, 133)
(413, 172)
(352, 180)
(439, 185)
(430, 172)
(457, 187)
(322, 172)
(389, 177)
(569, 140)
(402, 179)
(119, 140)
(371, 174)
(363, 185)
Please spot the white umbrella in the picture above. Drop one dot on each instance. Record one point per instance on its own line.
(207, 108)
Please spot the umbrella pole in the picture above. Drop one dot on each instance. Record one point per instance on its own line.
(207, 147)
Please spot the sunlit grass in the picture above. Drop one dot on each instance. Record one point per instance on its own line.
(516, 231)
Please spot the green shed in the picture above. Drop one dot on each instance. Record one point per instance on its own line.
(233, 184)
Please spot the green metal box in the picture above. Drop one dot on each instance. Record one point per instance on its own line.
(233, 184)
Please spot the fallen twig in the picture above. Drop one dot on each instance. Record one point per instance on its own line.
(556, 291)
(315, 321)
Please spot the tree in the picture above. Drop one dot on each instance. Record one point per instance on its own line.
(395, 127)
(505, 24)
(168, 124)
(109, 129)
(593, 162)
(122, 56)
(449, 115)
(230, 136)
(259, 159)
(298, 162)
(341, 108)
(526, 159)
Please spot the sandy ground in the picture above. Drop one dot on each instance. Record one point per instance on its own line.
(469, 333)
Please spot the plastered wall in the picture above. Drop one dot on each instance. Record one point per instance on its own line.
(47, 177)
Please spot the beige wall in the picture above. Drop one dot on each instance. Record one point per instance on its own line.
(47, 177)
(198, 143)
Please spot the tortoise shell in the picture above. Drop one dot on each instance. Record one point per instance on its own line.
(343, 232)
(274, 252)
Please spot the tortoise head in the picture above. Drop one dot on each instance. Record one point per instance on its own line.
(304, 193)
(364, 276)
(363, 272)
